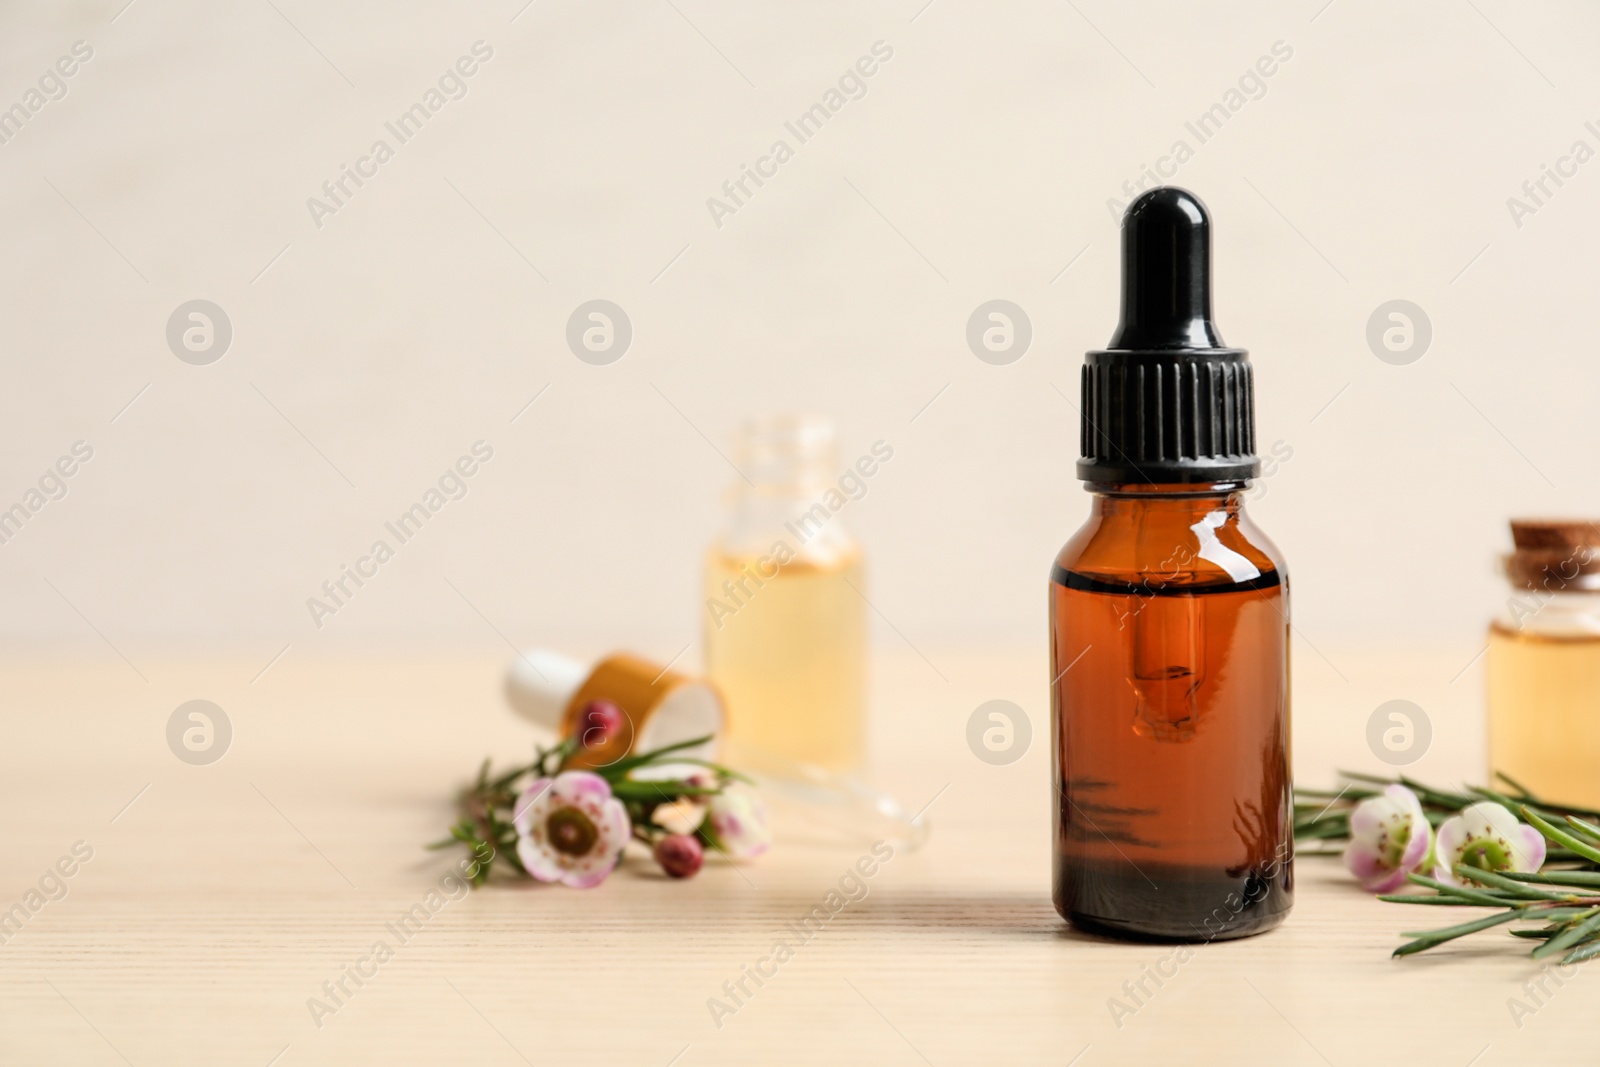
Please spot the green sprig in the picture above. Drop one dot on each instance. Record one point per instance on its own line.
(1564, 896)
(484, 822)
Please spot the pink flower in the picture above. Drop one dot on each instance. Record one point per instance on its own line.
(738, 824)
(1389, 838)
(1487, 836)
(570, 829)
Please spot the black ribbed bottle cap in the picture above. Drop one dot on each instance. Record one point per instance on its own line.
(1166, 402)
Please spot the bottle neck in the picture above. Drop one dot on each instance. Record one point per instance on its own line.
(1196, 498)
(1539, 612)
(791, 490)
(804, 517)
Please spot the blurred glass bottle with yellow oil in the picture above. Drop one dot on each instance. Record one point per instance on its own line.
(785, 611)
(1544, 663)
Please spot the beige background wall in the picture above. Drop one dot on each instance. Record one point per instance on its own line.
(369, 353)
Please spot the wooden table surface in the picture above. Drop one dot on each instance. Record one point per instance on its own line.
(220, 898)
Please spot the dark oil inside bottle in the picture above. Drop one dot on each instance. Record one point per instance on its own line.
(1173, 817)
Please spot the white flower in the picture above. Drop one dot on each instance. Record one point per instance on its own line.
(1487, 836)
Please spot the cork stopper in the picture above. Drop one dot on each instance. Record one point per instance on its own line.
(1555, 555)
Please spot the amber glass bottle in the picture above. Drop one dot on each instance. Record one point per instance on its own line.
(1169, 624)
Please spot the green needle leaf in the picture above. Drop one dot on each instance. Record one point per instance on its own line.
(1518, 786)
(1499, 881)
(726, 772)
(1511, 803)
(1560, 836)
(1432, 938)
(1589, 879)
(1476, 896)
(659, 791)
(1439, 796)
(623, 766)
(1439, 899)
(1578, 955)
(1359, 777)
(1556, 916)
(1587, 828)
(1322, 831)
(1574, 934)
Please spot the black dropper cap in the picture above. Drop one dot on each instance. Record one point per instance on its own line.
(1166, 402)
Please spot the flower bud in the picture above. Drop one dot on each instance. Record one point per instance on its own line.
(680, 855)
(598, 722)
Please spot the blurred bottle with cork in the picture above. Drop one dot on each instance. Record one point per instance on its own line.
(1544, 663)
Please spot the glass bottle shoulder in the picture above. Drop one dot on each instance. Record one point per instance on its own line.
(1151, 541)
